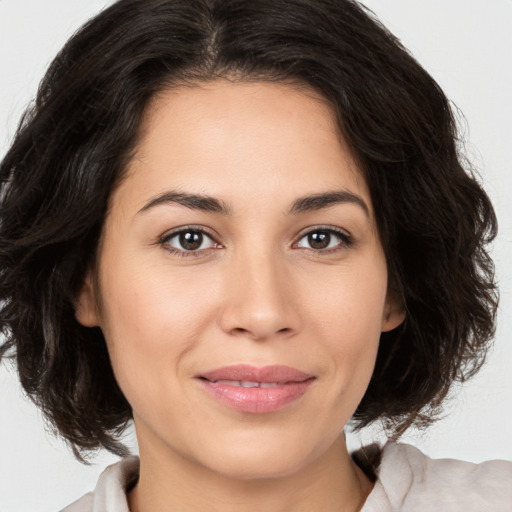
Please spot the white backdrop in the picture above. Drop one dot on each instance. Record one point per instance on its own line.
(466, 45)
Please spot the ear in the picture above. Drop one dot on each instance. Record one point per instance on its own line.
(394, 313)
(86, 308)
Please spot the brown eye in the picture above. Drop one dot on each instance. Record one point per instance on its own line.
(322, 239)
(189, 240)
(319, 240)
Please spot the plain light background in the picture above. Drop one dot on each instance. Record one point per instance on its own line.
(466, 45)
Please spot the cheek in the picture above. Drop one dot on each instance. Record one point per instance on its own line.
(349, 302)
(150, 321)
(144, 297)
(346, 313)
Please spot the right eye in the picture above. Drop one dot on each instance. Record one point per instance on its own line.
(188, 241)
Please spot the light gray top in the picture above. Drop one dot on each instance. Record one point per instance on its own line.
(407, 481)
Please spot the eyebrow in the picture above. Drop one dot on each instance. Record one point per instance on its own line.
(326, 199)
(193, 201)
(213, 205)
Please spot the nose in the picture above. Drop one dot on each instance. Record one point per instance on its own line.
(260, 299)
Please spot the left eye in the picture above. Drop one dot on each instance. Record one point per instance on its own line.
(190, 240)
(322, 239)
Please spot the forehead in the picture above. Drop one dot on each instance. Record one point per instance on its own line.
(234, 140)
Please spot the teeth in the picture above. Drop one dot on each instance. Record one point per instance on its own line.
(247, 383)
(229, 382)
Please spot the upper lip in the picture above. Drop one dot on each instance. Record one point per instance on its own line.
(245, 372)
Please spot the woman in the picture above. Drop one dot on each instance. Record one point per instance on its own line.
(229, 221)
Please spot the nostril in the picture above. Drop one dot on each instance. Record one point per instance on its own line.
(258, 319)
(259, 334)
(239, 330)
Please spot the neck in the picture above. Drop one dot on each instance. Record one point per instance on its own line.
(169, 482)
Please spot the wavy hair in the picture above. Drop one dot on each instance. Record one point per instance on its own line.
(73, 144)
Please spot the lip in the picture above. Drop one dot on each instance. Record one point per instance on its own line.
(287, 385)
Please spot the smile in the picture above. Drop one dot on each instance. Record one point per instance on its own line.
(249, 384)
(256, 390)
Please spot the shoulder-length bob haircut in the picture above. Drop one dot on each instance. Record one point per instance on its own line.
(73, 145)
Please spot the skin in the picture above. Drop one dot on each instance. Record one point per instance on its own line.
(256, 292)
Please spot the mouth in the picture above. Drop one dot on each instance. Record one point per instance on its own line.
(248, 384)
(256, 390)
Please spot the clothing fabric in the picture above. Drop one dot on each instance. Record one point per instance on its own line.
(407, 481)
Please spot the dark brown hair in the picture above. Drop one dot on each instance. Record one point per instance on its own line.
(71, 148)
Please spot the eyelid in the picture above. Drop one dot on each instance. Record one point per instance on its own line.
(345, 237)
(168, 235)
(188, 227)
(343, 234)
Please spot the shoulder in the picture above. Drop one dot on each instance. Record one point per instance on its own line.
(109, 494)
(409, 480)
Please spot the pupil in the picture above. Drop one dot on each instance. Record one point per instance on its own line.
(319, 240)
(191, 240)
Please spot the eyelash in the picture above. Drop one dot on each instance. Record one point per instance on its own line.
(182, 253)
(346, 240)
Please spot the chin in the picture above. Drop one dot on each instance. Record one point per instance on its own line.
(261, 458)
(258, 468)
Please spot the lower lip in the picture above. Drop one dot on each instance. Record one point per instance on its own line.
(257, 400)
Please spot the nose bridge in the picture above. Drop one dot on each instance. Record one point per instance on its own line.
(258, 302)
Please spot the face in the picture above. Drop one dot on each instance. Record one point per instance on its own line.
(241, 284)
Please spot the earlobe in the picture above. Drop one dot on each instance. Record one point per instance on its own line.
(86, 309)
(394, 314)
